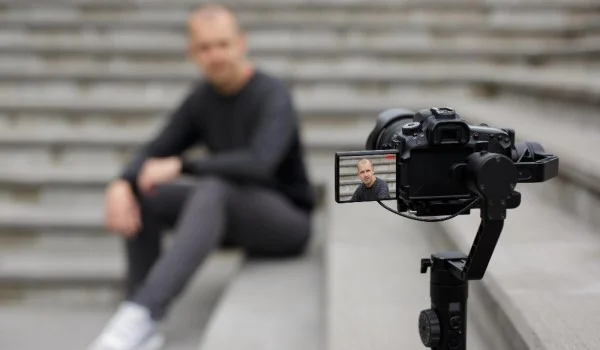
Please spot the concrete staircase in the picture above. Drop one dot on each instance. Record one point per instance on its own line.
(83, 83)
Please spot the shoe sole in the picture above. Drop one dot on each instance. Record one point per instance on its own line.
(156, 342)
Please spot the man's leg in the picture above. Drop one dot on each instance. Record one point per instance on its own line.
(131, 325)
(267, 224)
(261, 220)
(159, 211)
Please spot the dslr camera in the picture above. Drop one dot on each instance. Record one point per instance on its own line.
(433, 163)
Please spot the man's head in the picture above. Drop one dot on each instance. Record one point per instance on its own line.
(366, 172)
(217, 44)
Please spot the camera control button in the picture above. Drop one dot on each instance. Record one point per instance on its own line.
(411, 128)
(443, 113)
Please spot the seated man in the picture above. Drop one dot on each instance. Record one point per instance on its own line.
(372, 188)
(253, 188)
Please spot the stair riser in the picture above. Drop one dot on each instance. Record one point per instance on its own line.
(147, 123)
(68, 157)
(95, 229)
(569, 197)
(172, 92)
(91, 296)
(302, 38)
(403, 52)
(54, 195)
(88, 196)
(582, 109)
(304, 10)
(178, 70)
(268, 9)
(366, 59)
(344, 28)
(111, 158)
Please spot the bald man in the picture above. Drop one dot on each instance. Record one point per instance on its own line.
(371, 188)
(252, 190)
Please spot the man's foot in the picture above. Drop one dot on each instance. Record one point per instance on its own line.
(131, 328)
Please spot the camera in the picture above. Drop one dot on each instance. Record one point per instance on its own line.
(442, 163)
(435, 163)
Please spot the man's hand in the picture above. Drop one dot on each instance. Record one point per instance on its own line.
(122, 213)
(157, 171)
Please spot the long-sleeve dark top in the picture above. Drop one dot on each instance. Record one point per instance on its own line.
(378, 191)
(252, 137)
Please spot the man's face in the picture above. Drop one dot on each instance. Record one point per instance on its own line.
(366, 173)
(217, 48)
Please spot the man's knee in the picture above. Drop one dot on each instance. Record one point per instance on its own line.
(211, 181)
(213, 187)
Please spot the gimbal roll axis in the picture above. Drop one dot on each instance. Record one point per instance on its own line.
(493, 177)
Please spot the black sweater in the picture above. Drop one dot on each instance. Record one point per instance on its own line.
(379, 191)
(252, 136)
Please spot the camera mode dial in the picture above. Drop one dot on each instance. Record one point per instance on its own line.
(411, 128)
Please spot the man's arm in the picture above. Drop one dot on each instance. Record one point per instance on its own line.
(356, 195)
(177, 135)
(270, 143)
(383, 192)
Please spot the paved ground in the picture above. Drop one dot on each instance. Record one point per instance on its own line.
(73, 327)
(376, 288)
(66, 328)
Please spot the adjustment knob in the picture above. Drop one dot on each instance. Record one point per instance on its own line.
(411, 128)
(429, 328)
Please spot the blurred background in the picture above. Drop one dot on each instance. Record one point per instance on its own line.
(83, 83)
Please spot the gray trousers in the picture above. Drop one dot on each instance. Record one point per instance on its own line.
(203, 215)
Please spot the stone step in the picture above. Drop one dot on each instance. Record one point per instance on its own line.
(83, 185)
(79, 164)
(33, 146)
(303, 73)
(285, 62)
(257, 303)
(311, 104)
(314, 138)
(532, 121)
(374, 289)
(72, 220)
(61, 261)
(87, 79)
(93, 81)
(353, 5)
(541, 120)
(537, 117)
(173, 46)
(65, 261)
(448, 22)
(40, 206)
(56, 314)
(314, 37)
(539, 276)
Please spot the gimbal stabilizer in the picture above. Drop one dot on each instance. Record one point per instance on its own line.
(493, 177)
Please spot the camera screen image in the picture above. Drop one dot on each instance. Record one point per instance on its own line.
(365, 176)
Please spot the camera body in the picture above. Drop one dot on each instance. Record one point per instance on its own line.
(434, 146)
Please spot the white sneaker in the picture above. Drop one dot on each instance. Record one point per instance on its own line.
(131, 328)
